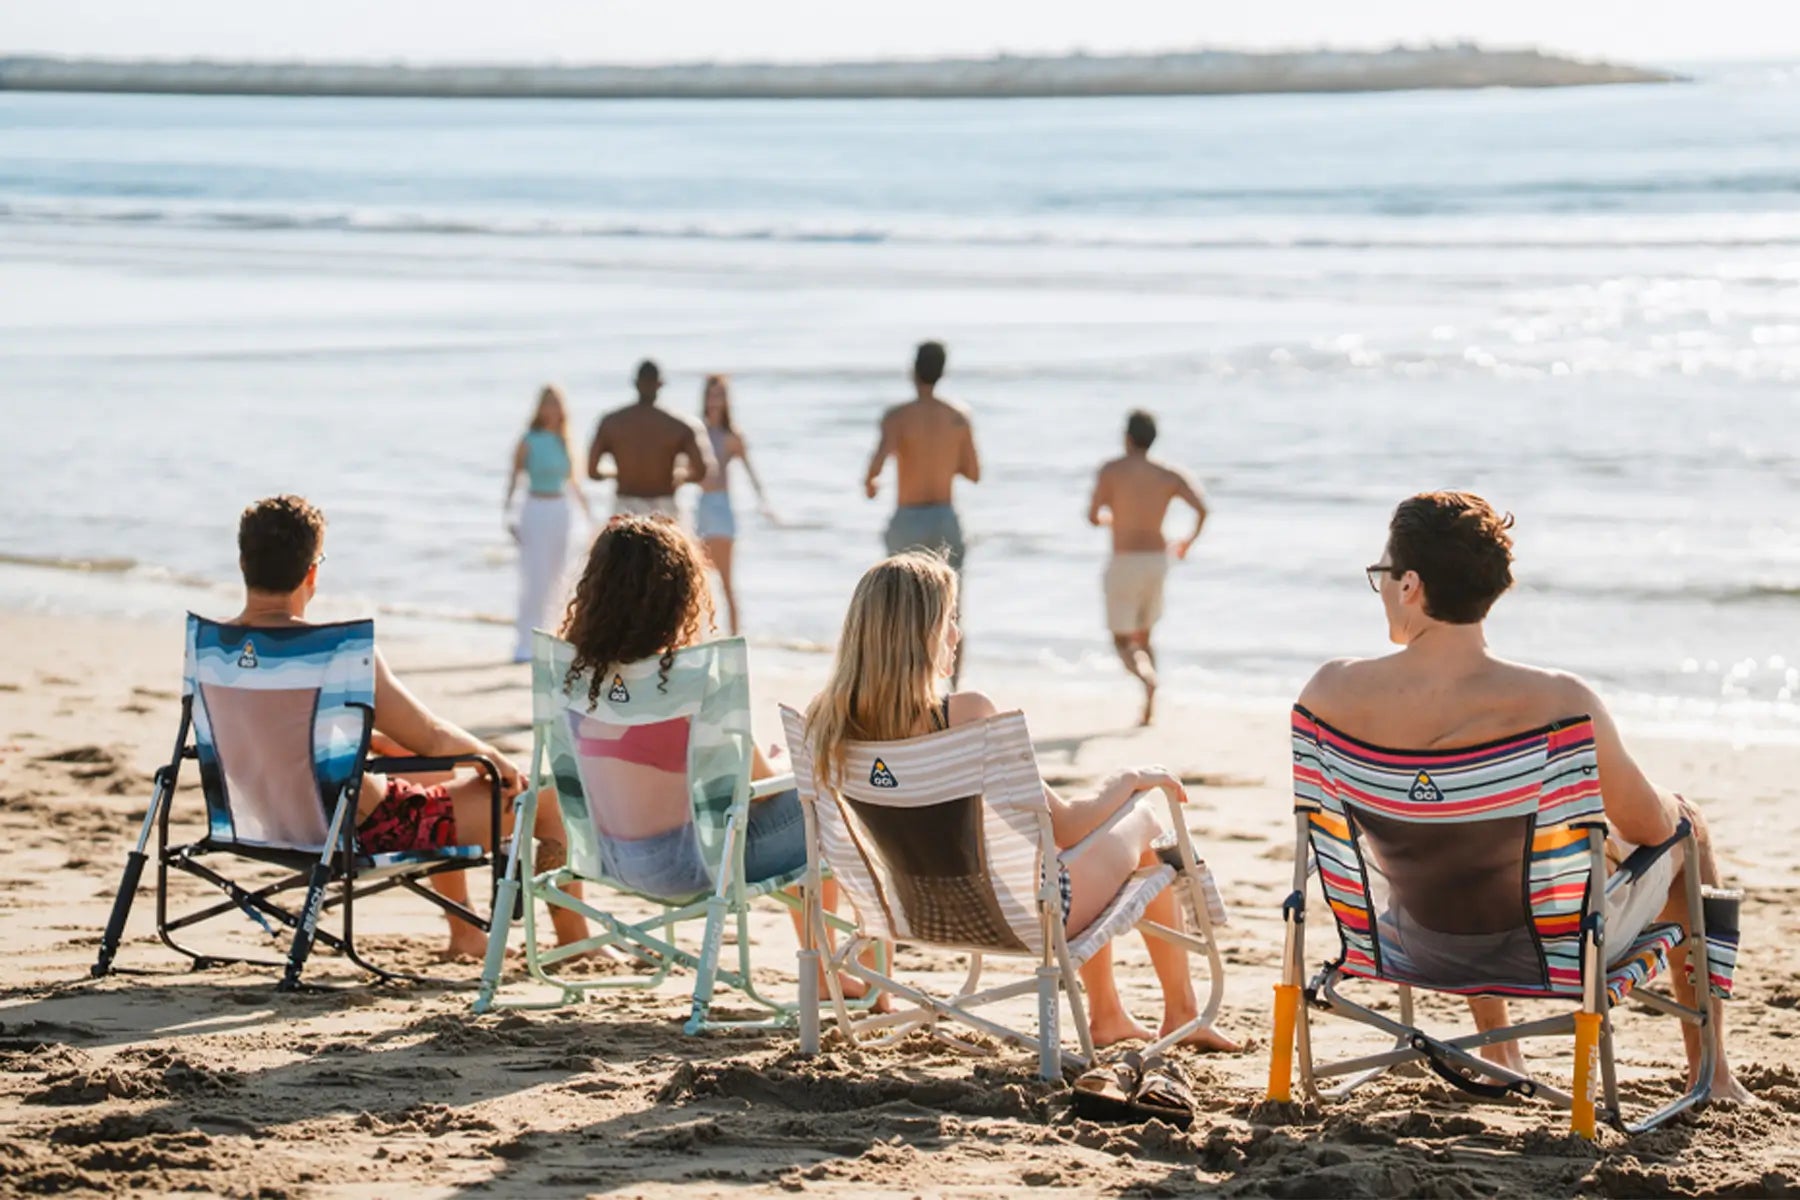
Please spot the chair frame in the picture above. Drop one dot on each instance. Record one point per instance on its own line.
(315, 871)
(651, 941)
(1453, 1059)
(1055, 975)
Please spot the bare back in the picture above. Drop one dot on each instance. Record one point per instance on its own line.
(645, 443)
(932, 441)
(1138, 491)
(1409, 701)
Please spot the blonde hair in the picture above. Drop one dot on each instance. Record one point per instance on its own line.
(561, 428)
(883, 684)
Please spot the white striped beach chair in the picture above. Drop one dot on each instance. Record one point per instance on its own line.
(1502, 847)
(945, 841)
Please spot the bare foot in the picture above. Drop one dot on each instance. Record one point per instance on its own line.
(1728, 1090)
(1149, 707)
(856, 989)
(1204, 1038)
(1122, 1027)
(464, 949)
(1507, 1055)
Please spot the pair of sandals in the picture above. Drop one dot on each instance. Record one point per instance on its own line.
(1135, 1088)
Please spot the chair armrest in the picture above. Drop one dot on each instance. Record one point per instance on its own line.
(426, 766)
(1641, 859)
(774, 785)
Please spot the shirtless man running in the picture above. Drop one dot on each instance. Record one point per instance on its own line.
(1132, 494)
(646, 443)
(932, 441)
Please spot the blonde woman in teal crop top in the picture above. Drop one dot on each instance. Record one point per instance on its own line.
(542, 524)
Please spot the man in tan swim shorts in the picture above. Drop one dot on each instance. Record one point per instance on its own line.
(1132, 494)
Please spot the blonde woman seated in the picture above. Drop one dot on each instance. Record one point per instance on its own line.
(898, 645)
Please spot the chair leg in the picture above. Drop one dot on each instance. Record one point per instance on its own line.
(1587, 1056)
(128, 885)
(500, 920)
(1281, 1047)
(1049, 979)
(707, 974)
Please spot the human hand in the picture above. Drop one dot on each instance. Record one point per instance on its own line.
(1181, 548)
(512, 530)
(872, 487)
(1161, 778)
(512, 780)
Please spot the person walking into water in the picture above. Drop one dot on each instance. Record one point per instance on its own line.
(715, 524)
(541, 526)
(1132, 494)
(932, 441)
(652, 451)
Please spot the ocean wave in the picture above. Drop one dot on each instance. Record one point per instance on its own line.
(75, 563)
(865, 233)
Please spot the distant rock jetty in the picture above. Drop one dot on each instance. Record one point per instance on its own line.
(1211, 72)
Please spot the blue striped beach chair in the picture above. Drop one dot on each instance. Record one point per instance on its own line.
(1477, 871)
(944, 840)
(278, 721)
(597, 756)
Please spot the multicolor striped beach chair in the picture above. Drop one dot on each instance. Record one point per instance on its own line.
(595, 757)
(945, 841)
(279, 721)
(1475, 871)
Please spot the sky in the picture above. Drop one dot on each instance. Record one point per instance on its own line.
(593, 31)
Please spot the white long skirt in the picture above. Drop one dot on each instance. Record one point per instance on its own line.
(543, 557)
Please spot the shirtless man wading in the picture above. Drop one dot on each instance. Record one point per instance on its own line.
(932, 441)
(1132, 494)
(646, 443)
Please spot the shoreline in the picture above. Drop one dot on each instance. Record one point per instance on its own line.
(1199, 73)
(150, 597)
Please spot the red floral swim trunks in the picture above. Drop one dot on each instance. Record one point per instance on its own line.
(409, 817)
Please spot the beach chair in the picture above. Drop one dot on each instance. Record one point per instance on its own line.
(582, 750)
(1509, 831)
(944, 840)
(279, 720)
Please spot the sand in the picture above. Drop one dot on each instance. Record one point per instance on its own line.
(212, 1082)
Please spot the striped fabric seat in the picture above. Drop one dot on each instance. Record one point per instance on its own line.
(1494, 835)
(1647, 958)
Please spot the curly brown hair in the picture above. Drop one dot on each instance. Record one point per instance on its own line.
(643, 594)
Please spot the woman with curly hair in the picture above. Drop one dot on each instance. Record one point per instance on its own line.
(644, 595)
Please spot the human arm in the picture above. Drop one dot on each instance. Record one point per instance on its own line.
(512, 486)
(884, 449)
(1100, 504)
(968, 462)
(698, 453)
(762, 497)
(403, 720)
(574, 488)
(1186, 489)
(1637, 810)
(599, 448)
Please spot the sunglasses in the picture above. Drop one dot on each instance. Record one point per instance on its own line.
(1374, 573)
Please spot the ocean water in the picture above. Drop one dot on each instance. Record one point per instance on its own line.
(1584, 304)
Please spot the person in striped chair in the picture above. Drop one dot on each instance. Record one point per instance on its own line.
(1448, 558)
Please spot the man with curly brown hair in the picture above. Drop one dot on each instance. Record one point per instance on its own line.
(1448, 559)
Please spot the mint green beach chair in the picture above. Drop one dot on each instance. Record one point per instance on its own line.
(609, 763)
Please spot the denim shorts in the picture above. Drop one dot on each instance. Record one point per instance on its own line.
(668, 865)
(714, 518)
